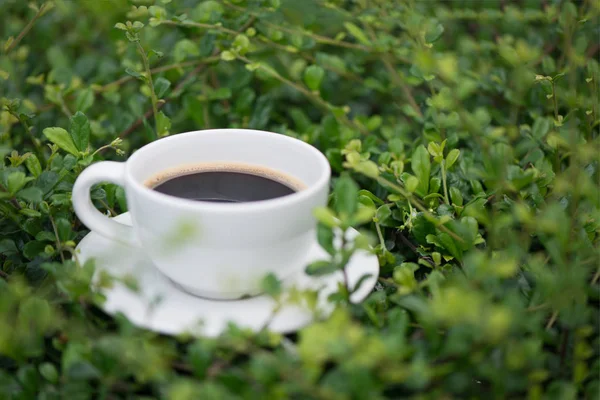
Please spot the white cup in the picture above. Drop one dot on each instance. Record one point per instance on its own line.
(215, 250)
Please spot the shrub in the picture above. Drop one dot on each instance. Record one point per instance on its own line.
(463, 136)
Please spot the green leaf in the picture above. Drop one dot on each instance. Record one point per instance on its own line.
(320, 268)
(228, 55)
(422, 228)
(15, 181)
(456, 196)
(357, 33)
(31, 194)
(84, 100)
(80, 131)
(161, 85)
(271, 285)
(326, 216)
(434, 34)
(540, 128)
(421, 166)
(34, 248)
(383, 215)
(325, 238)
(411, 183)
(63, 227)
(135, 74)
(8, 247)
(49, 372)
(62, 139)
(448, 243)
(363, 215)
(33, 165)
(452, 157)
(163, 124)
(185, 48)
(346, 196)
(313, 76)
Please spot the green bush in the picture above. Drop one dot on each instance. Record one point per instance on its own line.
(463, 137)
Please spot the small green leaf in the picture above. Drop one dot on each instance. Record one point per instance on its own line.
(49, 372)
(163, 124)
(357, 33)
(80, 131)
(33, 165)
(452, 157)
(135, 74)
(84, 100)
(434, 34)
(271, 285)
(62, 139)
(30, 194)
(161, 85)
(228, 55)
(346, 196)
(421, 166)
(121, 26)
(313, 76)
(15, 181)
(319, 268)
(326, 216)
(325, 238)
(184, 49)
(63, 227)
(383, 215)
(8, 247)
(456, 196)
(411, 183)
(363, 215)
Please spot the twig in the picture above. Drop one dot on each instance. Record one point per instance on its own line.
(58, 245)
(398, 82)
(148, 113)
(201, 26)
(414, 249)
(552, 320)
(318, 100)
(153, 97)
(401, 191)
(596, 277)
(12, 200)
(27, 28)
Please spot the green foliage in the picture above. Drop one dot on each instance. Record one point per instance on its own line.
(463, 137)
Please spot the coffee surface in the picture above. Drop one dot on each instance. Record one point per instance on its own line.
(224, 183)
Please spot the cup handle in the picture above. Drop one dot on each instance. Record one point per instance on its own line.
(104, 171)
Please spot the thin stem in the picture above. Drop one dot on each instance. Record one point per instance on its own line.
(150, 84)
(380, 235)
(552, 320)
(443, 165)
(157, 70)
(318, 100)
(41, 11)
(596, 277)
(554, 100)
(58, 245)
(400, 190)
(201, 26)
(13, 200)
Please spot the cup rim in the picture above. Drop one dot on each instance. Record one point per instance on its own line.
(279, 202)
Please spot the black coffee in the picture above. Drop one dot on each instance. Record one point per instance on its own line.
(223, 187)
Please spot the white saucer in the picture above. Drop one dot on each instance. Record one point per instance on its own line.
(159, 305)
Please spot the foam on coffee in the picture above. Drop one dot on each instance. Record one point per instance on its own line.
(258, 170)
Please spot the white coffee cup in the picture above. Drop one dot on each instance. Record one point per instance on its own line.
(215, 250)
